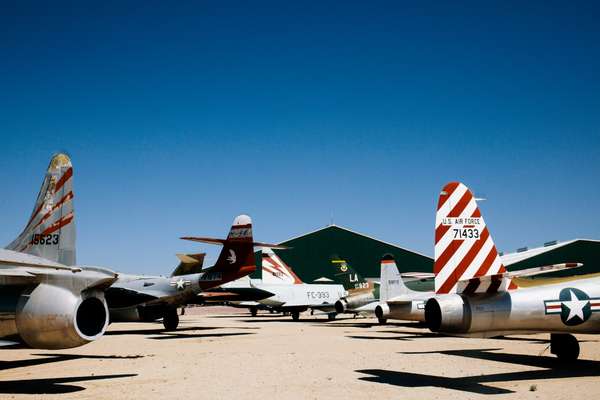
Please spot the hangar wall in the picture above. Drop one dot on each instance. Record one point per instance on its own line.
(579, 250)
(310, 254)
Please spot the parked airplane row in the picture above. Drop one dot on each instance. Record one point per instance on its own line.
(48, 301)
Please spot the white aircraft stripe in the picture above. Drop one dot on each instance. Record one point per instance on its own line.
(449, 204)
(496, 266)
(478, 260)
(453, 262)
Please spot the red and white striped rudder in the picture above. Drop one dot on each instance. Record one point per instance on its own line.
(464, 249)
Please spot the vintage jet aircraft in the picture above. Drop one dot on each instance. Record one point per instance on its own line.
(46, 301)
(402, 303)
(284, 291)
(362, 295)
(365, 296)
(397, 300)
(147, 298)
(476, 296)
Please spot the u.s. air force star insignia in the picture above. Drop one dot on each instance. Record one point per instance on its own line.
(574, 306)
(180, 284)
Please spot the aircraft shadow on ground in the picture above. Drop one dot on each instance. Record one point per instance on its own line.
(54, 358)
(242, 316)
(52, 385)
(174, 335)
(415, 325)
(552, 369)
(402, 336)
(159, 330)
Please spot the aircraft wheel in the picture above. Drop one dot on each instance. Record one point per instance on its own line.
(295, 315)
(171, 319)
(564, 346)
(253, 311)
(382, 321)
(331, 316)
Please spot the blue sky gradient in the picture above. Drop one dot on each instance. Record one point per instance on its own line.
(178, 118)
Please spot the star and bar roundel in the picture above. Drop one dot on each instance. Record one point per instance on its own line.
(574, 306)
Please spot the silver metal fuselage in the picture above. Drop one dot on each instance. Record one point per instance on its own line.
(169, 291)
(525, 310)
(291, 295)
(302, 294)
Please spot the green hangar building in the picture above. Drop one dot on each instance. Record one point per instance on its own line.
(310, 256)
(584, 251)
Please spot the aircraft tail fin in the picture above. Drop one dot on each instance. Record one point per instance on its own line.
(50, 231)
(274, 270)
(347, 276)
(464, 248)
(189, 264)
(237, 254)
(392, 284)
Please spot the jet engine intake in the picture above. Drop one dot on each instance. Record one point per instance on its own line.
(52, 317)
(382, 311)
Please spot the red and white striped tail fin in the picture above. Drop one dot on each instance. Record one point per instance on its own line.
(50, 231)
(464, 249)
(274, 270)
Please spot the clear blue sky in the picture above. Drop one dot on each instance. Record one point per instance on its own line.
(179, 117)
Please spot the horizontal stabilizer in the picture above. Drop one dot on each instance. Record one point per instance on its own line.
(501, 282)
(542, 270)
(191, 258)
(190, 264)
(224, 241)
(417, 275)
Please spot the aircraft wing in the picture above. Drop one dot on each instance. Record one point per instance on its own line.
(500, 282)
(16, 272)
(542, 270)
(234, 294)
(13, 259)
(417, 275)
(19, 268)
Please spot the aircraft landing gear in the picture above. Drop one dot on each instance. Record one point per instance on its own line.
(295, 315)
(253, 311)
(170, 319)
(382, 321)
(564, 346)
(331, 316)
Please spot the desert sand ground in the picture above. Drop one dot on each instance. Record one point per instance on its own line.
(221, 353)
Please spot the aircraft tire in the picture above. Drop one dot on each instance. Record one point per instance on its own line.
(295, 315)
(171, 320)
(382, 321)
(564, 346)
(253, 311)
(331, 316)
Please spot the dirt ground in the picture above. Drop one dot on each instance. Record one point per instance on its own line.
(221, 353)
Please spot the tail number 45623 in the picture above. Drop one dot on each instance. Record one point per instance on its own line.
(45, 240)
